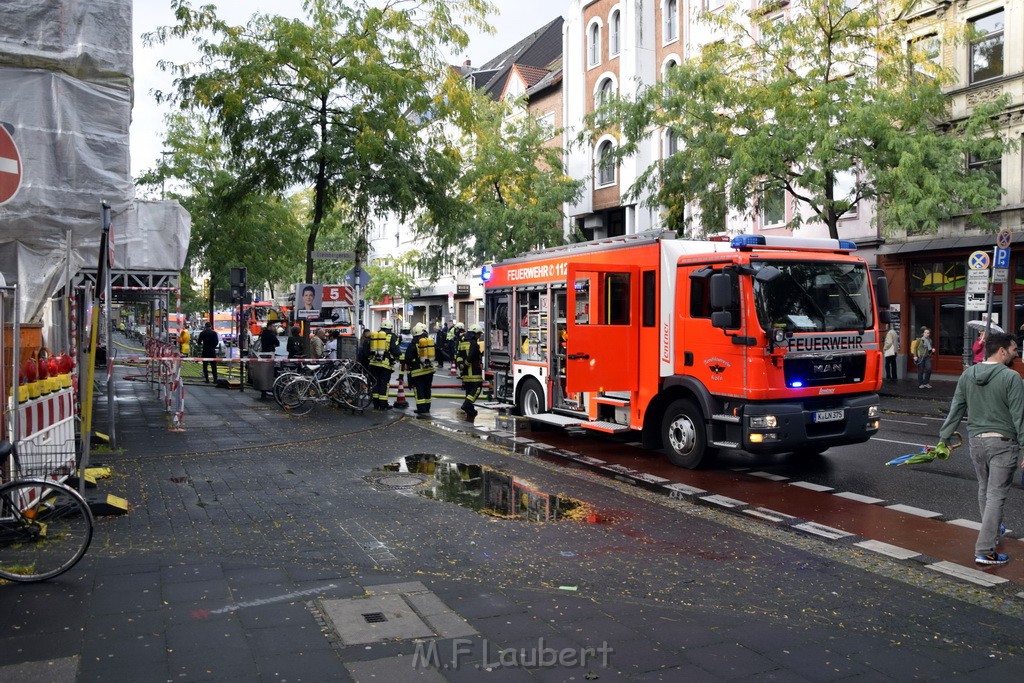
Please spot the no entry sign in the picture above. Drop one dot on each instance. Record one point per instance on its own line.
(10, 166)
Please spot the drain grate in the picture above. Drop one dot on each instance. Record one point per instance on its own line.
(391, 481)
(375, 618)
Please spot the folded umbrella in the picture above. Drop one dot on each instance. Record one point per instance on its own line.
(928, 453)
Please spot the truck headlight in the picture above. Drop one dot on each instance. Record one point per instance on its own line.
(763, 422)
(873, 411)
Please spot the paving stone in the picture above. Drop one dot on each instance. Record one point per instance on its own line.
(730, 660)
(313, 665)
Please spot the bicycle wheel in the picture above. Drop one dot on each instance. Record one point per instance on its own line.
(356, 392)
(281, 382)
(298, 395)
(45, 528)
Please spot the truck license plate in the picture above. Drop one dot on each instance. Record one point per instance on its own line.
(828, 416)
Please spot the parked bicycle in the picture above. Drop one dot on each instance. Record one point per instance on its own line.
(340, 382)
(45, 526)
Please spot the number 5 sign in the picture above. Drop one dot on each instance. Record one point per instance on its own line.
(338, 295)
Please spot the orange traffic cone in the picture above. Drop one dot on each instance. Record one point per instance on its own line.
(455, 373)
(400, 401)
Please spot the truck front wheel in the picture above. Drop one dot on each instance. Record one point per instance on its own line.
(682, 434)
(531, 398)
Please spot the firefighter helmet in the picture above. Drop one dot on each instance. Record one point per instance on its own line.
(461, 325)
(419, 329)
(385, 324)
(475, 327)
(405, 325)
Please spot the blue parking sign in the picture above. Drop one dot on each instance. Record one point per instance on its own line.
(1002, 258)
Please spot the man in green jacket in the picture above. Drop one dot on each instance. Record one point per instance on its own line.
(992, 395)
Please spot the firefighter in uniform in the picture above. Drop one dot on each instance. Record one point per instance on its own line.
(455, 333)
(404, 340)
(419, 360)
(469, 358)
(383, 354)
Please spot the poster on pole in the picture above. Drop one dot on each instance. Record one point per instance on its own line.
(308, 299)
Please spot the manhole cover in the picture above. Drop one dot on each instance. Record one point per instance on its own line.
(386, 481)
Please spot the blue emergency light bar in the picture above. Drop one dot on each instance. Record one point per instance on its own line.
(751, 241)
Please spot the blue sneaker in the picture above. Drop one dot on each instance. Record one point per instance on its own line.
(992, 558)
(1002, 531)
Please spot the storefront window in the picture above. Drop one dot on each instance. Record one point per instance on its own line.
(941, 276)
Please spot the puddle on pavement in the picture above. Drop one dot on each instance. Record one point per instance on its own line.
(489, 491)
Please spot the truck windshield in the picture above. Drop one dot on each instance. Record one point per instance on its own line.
(811, 296)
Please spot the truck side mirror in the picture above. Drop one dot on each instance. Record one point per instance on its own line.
(721, 295)
(722, 319)
(882, 292)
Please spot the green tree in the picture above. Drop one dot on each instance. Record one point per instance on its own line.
(256, 230)
(340, 102)
(509, 196)
(798, 104)
(395, 279)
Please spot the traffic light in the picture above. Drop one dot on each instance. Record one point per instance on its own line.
(238, 276)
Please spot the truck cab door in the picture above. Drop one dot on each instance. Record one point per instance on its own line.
(602, 324)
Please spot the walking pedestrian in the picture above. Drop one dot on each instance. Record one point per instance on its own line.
(184, 340)
(295, 347)
(978, 348)
(317, 344)
(210, 340)
(419, 360)
(469, 358)
(923, 350)
(363, 350)
(331, 348)
(992, 396)
(268, 343)
(440, 342)
(890, 348)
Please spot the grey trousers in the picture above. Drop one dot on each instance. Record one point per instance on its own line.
(995, 461)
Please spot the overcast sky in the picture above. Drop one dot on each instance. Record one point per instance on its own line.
(517, 19)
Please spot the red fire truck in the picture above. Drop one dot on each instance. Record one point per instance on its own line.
(764, 344)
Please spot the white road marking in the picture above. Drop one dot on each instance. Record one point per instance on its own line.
(905, 422)
(268, 601)
(858, 497)
(888, 549)
(973, 575)
(813, 487)
(904, 443)
(822, 530)
(911, 510)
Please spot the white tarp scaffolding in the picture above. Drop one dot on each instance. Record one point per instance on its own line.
(65, 97)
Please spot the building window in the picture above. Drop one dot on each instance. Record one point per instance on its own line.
(603, 97)
(667, 70)
(671, 143)
(992, 167)
(671, 20)
(772, 207)
(546, 122)
(925, 53)
(711, 5)
(594, 44)
(614, 45)
(986, 47)
(844, 188)
(605, 164)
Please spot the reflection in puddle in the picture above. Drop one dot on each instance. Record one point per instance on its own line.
(487, 490)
